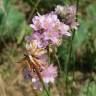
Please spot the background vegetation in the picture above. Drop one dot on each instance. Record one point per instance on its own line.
(15, 16)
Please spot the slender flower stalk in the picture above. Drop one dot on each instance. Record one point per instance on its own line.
(31, 14)
(57, 59)
(74, 31)
(70, 49)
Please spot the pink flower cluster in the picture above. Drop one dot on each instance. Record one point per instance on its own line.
(69, 14)
(39, 60)
(48, 31)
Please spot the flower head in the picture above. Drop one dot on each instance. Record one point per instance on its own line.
(48, 29)
(69, 14)
(49, 74)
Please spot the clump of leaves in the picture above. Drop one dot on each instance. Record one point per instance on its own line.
(12, 22)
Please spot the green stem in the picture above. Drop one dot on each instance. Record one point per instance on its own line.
(57, 59)
(77, 8)
(31, 14)
(70, 50)
(49, 61)
(68, 62)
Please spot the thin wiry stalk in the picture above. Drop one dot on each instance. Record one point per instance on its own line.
(68, 61)
(66, 65)
(57, 59)
(70, 50)
(74, 31)
(31, 14)
(77, 7)
(49, 61)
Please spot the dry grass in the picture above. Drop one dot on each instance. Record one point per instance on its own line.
(12, 82)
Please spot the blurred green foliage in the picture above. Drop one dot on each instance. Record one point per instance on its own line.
(13, 26)
(10, 21)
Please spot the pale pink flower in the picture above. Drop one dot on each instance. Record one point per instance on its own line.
(48, 74)
(64, 29)
(37, 38)
(48, 29)
(71, 19)
(36, 23)
(71, 10)
(69, 14)
(44, 21)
